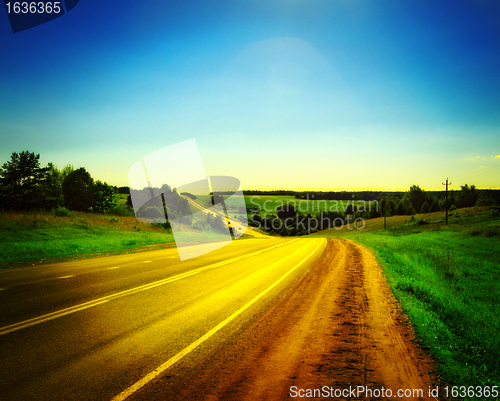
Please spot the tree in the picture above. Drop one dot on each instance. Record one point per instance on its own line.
(179, 205)
(166, 189)
(286, 211)
(350, 209)
(21, 181)
(129, 201)
(104, 198)
(445, 204)
(485, 199)
(399, 208)
(217, 223)
(416, 197)
(255, 220)
(78, 190)
(66, 170)
(434, 206)
(468, 196)
(52, 187)
(386, 208)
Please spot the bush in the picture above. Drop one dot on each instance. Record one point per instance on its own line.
(199, 225)
(150, 212)
(485, 200)
(158, 224)
(103, 197)
(434, 207)
(61, 211)
(121, 210)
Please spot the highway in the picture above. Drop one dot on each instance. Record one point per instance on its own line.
(235, 224)
(109, 328)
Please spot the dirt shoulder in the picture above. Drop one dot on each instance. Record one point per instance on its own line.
(339, 326)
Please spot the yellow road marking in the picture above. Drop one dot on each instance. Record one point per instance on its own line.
(90, 304)
(160, 369)
(66, 276)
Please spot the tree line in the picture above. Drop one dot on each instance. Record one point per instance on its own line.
(416, 200)
(288, 221)
(25, 185)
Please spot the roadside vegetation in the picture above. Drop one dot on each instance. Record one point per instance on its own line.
(52, 213)
(306, 213)
(447, 278)
(35, 236)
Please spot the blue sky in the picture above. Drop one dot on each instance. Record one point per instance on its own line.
(280, 94)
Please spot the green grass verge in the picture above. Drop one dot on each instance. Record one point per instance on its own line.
(447, 279)
(40, 235)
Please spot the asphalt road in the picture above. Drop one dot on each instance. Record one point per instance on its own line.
(105, 328)
(236, 225)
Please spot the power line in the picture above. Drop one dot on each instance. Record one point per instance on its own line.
(480, 173)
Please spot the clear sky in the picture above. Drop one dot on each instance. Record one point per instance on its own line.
(293, 94)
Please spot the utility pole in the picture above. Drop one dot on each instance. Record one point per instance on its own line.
(384, 211)
(446, 199)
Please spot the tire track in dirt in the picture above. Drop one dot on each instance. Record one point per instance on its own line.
(339, 326)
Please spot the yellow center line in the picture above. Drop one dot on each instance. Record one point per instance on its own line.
(90, 304)
(160, 369)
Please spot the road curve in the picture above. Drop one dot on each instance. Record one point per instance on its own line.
(339, 326)
(260, 319)
(241, 228)
(91, 329)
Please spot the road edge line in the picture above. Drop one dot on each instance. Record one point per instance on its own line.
(160, 369)
(90, 304)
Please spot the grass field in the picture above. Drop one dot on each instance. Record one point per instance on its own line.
(269, 203)
(39, 235)
(447, 279)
